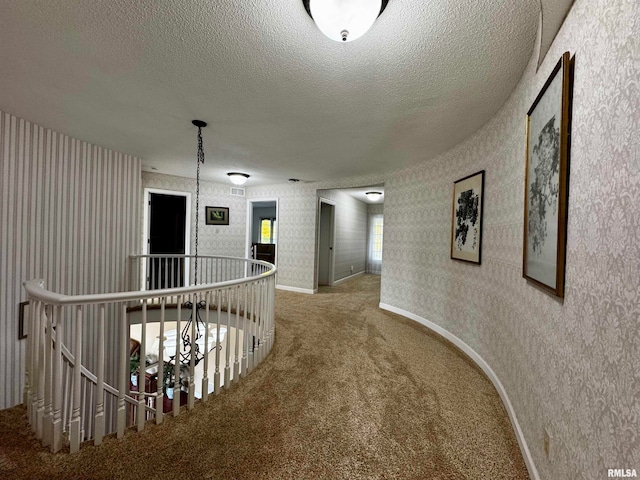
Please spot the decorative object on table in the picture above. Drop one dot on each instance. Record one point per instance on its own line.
(466, 227)
(217, 215)
(547, 181)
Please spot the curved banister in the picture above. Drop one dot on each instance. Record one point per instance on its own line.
(66, 401)
(35, 288)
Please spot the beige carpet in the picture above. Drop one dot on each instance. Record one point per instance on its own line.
(349, 391)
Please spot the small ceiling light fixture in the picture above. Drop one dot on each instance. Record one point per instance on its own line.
(238, 178)
(374, 196)
(344, 20)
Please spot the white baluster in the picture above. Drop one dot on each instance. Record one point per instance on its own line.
(216, 375)
(227, 365)
(272, 309)
(56, 424)
(160, 381)
(205, 376)
(267, 317)
(152, 274)
(141, 411)
(123, 371)
(252, 316)
(39, 406)
(34, 354)
(257, 354)
(245, 333)
(48, 389)
(100, 418)
(74, 424)
(176, 367)
(236, 363)
(269, 320)
(192, 353)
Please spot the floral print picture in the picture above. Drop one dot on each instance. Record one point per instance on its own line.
(466, 229)
(546, 182)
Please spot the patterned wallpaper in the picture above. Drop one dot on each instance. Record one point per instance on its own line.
(227, 240)
(570, 367)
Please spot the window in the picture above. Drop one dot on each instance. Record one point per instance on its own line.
(374, 260)
(268, 227)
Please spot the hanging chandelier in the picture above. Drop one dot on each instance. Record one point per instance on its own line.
(344, 20)
(191, 346)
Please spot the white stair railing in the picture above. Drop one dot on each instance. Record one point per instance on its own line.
(77, 389)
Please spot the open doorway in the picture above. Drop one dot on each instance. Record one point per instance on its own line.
(349, 231)
(262, 229)
(326, 232)
(167, 217)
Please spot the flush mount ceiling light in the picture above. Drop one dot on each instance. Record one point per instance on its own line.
(374, 196)
(344, 20)
(238, 178)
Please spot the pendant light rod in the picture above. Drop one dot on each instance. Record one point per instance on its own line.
(200, 124)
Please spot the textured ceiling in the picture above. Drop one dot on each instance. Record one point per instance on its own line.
(281, 99)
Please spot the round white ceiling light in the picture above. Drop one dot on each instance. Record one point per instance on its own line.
(344, 20)
(238, 178)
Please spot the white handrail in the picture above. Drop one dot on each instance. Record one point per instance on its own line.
(67, 401)
(35, 288)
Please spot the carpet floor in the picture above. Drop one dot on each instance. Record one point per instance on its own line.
(348, 391)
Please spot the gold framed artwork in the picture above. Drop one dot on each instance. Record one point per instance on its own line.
(466, 223)
(547, 181)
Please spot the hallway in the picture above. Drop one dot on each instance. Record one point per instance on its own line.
(348, 391)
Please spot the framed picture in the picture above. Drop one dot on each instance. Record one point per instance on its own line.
(217, 215)
(23, 316)
(547, 181)
(466, 224)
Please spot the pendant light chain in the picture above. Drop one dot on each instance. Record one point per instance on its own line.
(200, 160)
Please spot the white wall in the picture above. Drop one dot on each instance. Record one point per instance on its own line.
(68, 214)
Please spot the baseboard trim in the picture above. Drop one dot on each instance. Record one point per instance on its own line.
(471, 353)
(296, 289)
(338, 282)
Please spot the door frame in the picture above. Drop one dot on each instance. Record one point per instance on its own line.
(250, 202)
(146, 218)
(332, 236)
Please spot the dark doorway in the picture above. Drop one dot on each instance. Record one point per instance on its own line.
(325, 247)
(167, 217)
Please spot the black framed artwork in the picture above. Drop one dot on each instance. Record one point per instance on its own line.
(466, 223)
(217, 215)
